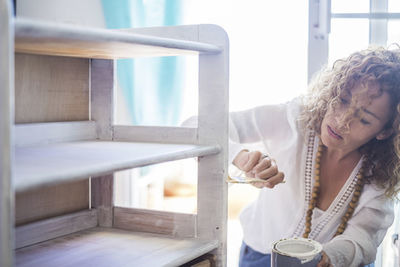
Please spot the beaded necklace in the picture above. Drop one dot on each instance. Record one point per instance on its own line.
(315, 193)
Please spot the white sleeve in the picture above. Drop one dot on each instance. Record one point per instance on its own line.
(270, 124)
(364, 233)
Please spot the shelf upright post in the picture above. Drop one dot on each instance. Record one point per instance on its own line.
(213, 130)
(101, 111)
(6, 126)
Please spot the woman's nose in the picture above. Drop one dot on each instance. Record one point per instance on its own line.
(343, 122)
(343, 127)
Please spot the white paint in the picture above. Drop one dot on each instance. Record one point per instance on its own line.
(301, 248)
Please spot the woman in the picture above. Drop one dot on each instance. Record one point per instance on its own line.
(338, 150)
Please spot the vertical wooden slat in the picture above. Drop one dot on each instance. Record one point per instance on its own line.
(102, 100)
(213, 129)
(6, 125)
(378, 28)
(102, 199)
(102, 96)
(318, 41)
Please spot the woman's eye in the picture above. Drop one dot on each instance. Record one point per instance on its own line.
(365, 122)
(344, 101)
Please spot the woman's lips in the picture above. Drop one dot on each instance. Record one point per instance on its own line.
(333, 133)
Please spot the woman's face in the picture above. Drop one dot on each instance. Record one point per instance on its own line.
(347, 133)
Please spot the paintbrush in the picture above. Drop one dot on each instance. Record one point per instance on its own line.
(246, 180)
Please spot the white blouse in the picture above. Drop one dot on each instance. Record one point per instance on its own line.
(280, 212)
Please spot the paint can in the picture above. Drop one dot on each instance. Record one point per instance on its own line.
(296, 252)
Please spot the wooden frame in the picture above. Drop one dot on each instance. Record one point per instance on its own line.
(51, 228)
(55, 132)
(98, 43)
(213, 85)
(6, 143)
(159, 222)
(191, 235)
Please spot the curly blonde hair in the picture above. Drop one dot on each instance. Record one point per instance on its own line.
(374, 65)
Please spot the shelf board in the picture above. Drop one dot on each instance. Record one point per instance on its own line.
(113, 247)
(40, 165)
(49, 38)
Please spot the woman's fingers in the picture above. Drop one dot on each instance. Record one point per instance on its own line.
(258, 165)
(263, 163)
(263, 167)
(271, 181)
(324, 262)
(252, 160)
(276, 179)
(267, 172)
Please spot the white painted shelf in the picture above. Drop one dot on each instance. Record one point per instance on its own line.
(39, 37)
(104, 247)
(40, 165)
(42, 152)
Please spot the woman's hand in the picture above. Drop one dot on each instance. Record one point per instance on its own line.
(324, 262)
(257, 165)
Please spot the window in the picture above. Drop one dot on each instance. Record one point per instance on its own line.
(339, 27)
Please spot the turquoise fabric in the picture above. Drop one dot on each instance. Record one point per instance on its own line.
(155, 99)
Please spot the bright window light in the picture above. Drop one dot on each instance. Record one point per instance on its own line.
(268, 47)
(393, 32)
(347, 36)
(353, 6)
(394, 5)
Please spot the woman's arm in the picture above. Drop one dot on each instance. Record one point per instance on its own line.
(364, 233)
(270, 125)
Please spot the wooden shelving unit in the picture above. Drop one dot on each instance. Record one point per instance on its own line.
(46, 147)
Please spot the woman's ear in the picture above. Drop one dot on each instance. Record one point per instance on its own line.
(384, 134)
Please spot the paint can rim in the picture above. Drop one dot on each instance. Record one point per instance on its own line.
(316, 247)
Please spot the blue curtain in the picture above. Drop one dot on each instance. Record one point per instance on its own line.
(153, 99)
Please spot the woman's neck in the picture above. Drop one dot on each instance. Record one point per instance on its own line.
(338, 156)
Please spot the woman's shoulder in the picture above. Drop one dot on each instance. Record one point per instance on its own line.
(373, 196)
